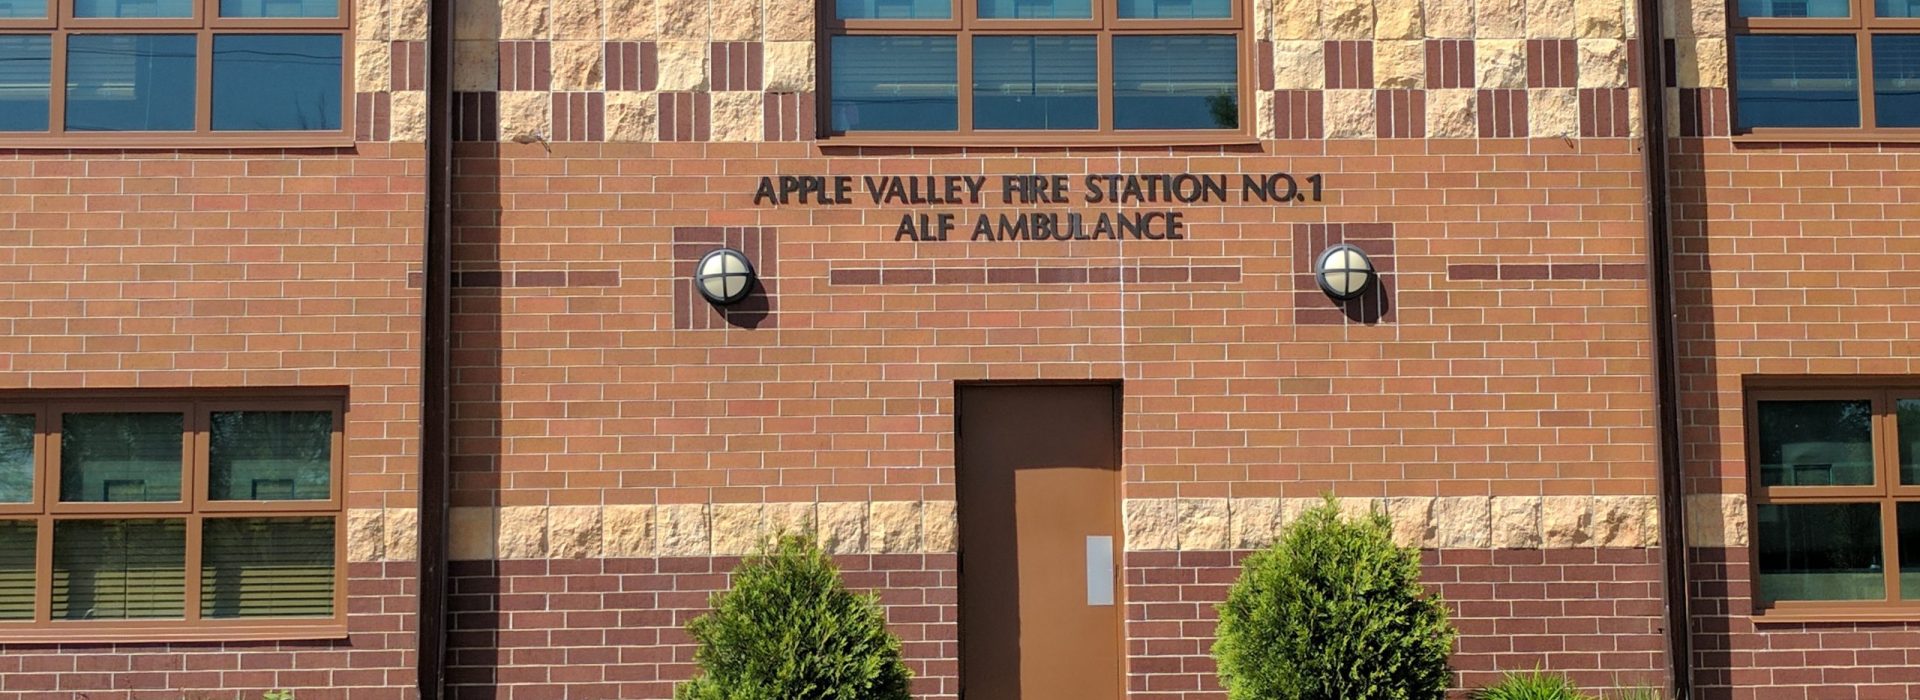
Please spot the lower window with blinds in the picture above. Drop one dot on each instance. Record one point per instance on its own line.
(159, 518)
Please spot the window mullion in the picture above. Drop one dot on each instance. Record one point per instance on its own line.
(963, 74)
(1863, 49)
(191, 577)
(203, 82)
(57, 79)
(43, 570)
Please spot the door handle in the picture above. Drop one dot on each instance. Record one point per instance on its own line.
(1099, 570)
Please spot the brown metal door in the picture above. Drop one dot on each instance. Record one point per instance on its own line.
(1039, 488)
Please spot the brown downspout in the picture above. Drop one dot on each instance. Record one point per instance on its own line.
(436, 348)
(1666, 366)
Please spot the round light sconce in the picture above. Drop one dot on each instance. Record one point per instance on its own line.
(1345, 272)
(724, 276)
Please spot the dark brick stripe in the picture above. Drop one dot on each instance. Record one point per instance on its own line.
(1297, 114)
(1554, 271)
(1450, 63)
(1349, 64)
(856, 276)
(505, 279)
(408, 65)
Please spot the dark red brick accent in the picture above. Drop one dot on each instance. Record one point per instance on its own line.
(1400, 114)
(1028, 275)
(1552, 63)
(372, 116)
(579, 116)
(1450, 63)
(1349, 64)
(1297, 114)
(476, 116)
(375, 662)
(1263, 71)
(1604, 112)
(1502, 113)
(1313, 306)
(1703, 112)
(685, 116)
(735, 65)
(692, 311)
(1558, 271)
(616, 628)
(1591, 613)
(408, 65)
(789, 116)
(526, 65)
(632, 65)
(497, 279)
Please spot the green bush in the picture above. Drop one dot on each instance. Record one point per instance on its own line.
(1333, 611)
(790, 629)
(1533, 686)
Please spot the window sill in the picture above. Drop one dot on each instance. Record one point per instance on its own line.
(177, 142)
(88, 633)
(1784, 137)
(1039, 140)
(1802, 617)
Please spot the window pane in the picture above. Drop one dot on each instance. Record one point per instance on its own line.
(1896, 80)
(269, 455)
(1908, 431)
(1788, 80)
(1175, 9)
(1816, 443)
(133, 8)
(1036, 9)
(1819, 552)
(895, 83)
(279, 8)
(16, 457)
(18, 544)
(1036, 82)
(23, 9)
(26, 80)
(120, 457)
(893, 9)
(122, 82)
(1175, 82)
(1794, 8)
(119, 569)
(267, 567)
(276, 82)
(1897, 8)
(1909, 514)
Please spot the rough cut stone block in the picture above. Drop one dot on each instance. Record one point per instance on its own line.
(1701, 62)
(1153, 524)
(783, 519)
(1549, 19)
(524, 112)
(1500, 63)
(627, 530)
(683, 66)
(1514, 522)
(407, 116)
(893, 527)
(1256, 522)
(736, 20)
(476, 20)
(1263, 115)
(1297, 19)
(789, 21)
(1603, 63)
(577, 66)
(403, 534)
(471, 533)
(1399, 65)
(1553, 112)
(1449, 19)
(577, 19)
(1346, 19)
(737, 116)
(366, 534)
(1451, 115)
(372, 66)
(1299, 65)
(1500, 19)
(634, 19)
(1398, 19)
(1463, 522)
(1566, 522)
(1204, 524)
(1600, 19)
(632, 117)
(682, 530)
(523, 533)
(788, 66)
(573, 532)
(736, 528)
(843, 527)
(525, 19)
(940, 526)
(476, 66)
(1413, 523)
(1349, 115)
(690, 19)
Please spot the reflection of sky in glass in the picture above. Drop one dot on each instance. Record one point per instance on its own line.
(891, 9)
(1795, 8)
(279, 8)
(1175, 9)
(120, 457)
(1785, 80)
(23, 9)
(1896, 79)
(130, 82)
(895, 83)
(16, 457)
(133, 8)
(276, 82)
(1035, 82)
(26, 79)
(269, 455)
(1035, 9)
(1175, 82)
(1815, 443)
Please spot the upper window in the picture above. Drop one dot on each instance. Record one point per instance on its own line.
(1836, 493)
(1826, 65)
(150, 520)
(1038, 71)
(164, 72)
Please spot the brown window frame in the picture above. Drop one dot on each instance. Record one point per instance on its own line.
(1886, 491)
(1105, 24)
(1860, 24)
(195, 508)
(205, 24)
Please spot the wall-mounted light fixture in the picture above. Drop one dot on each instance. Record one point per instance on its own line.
(724, 276)
(1345, 272)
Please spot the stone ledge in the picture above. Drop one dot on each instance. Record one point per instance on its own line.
(1460, 522)
(689, 529)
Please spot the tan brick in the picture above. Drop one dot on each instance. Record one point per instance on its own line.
(526, 113)
(1152, 524)
(1463, 522)
(1451, 114)
(682, 530)
(1204, 524)
(782, 519)
(736, 528)
(1550, 19)
(737, 116)
(372, 66)
(939, 527)
(1553, 112)
(1701, 62)
(683, 65)
(633, 19)
(1346, 19)
(1515, 522)
(577, 66)
(523, 533)
(1500, 19)
(843, 527)
(1606, 19)
(737, 20)
(789, 21)
(1412, 517)
(1398, 19)
(1603, 63)
(1500, 64)
(1299, 65)
(573, 532)
(627, 530)
(893, 527)
(366, 534)
(688, 19)
(1256, 522)
(788, 66)
(577, 19)
(408, 116)
(403, 534)
(1399, 65)
(632, 116)
(1566, 521)
(476, 20)
(526, 19)
(1449, 19)
(1349, 114)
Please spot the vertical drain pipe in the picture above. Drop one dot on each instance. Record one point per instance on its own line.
(436, 355)
(1666, 366)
